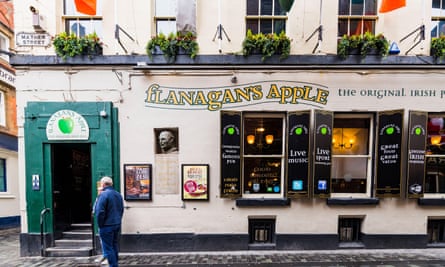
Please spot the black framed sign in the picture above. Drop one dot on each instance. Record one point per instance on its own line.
(322, 153)
(389, 153)
(138, 181)
(195, 181)
(417, 135)
(298, 154)
(230, 154)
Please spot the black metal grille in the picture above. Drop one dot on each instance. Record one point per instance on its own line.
(436, 231)
(349, 229)
(261, 230)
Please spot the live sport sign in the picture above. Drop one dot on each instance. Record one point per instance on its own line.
(33, 39)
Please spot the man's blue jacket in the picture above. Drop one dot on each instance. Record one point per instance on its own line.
(109, 207)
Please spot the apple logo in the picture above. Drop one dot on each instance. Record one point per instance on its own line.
(66, 125)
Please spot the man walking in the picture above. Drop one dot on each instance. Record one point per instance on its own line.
(108, 210)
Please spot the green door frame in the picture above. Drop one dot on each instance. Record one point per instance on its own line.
(104, 141)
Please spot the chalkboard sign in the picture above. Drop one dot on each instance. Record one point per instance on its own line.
(416, 153)
(230, 154)
(389, 147)
(298, 154)
(322, 153)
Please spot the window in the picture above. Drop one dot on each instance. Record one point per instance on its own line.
(81, 24)
(165, 16)
(356, 17)
(4, 46)
(436, 231)
(261, 231)
(351, 154)
(349, 229)
(265, 16)
(435, 154)
(263, 156)
(2, 109)
(3, 187)
(438, 18)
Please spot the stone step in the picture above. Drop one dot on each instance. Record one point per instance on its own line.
(77, 235)
(69, 252)
(73, 243)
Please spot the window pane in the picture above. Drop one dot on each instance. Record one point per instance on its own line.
(252, 7)
(3, 175)
(165, 8)
(277, 8)
(266, 7)
(343, 27)
(165, 26)
(435, 175)
(436, 134)
(350, 137)
(349, 175)
(262, 175)
(371, 7)
(357, 7)
(279, 26)
(266, 26)
(343, 8)
(252, 24)
(83, 27)
(70, 8)
(263, 136)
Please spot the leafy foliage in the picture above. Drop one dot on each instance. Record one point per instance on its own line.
(170, 45)
(438, 47)
(267, 44)
(69, 45)
(364, 44)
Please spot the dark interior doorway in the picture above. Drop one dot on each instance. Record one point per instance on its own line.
(71, 172)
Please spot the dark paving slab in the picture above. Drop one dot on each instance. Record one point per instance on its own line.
(10, 257)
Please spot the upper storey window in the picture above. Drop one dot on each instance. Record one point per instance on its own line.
(265, 16)
(356, 17)
(82, 24)
(438, 18)
(165, 17)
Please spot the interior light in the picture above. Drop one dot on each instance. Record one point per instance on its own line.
(251, 139)
(269, 139)
(435, 139)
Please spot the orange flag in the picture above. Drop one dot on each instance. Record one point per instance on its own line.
(390, 5)
(87, 7)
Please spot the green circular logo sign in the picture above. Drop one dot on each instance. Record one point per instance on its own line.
(231, 131)
(389, 130)
(66, 125)
(418, 131)
(324, 131)
(299, 131)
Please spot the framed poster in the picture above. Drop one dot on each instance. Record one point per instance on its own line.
(195, 181)
(138, 181)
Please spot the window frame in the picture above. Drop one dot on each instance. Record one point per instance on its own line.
(70, 14)
(3, 108)
(363, 17)
(164, 17)
(427, 156)
(369, 156)
(437, 19)
(282, 156)
(3, 176)
(259, 17)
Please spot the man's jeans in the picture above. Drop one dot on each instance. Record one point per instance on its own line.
(109, 236)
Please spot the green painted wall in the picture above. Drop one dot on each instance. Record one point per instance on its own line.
(103, 138)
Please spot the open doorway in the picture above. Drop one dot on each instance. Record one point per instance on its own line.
(71, 172)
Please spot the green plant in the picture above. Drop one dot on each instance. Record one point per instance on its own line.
(438, 47)
(170, 45)
(69, 45)
(267, 44)
(364, 44)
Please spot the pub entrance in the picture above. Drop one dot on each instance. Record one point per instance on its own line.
(71, 174)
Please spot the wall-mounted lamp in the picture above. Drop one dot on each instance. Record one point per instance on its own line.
(435, 139)
(342, 144)
(259, 133)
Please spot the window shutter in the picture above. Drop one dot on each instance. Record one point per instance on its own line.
(230, 154)
(418, 122)
(389, 153)
(322, 153)
(298, 154)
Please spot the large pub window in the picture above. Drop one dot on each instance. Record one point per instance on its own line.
(351, 154)
(356, 17)
(81, 24)
(263, 154)
(435, 155)
(265, 16)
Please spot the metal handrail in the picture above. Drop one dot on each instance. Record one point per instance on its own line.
(42, 240)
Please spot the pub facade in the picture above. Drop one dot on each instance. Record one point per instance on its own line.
(228, 152)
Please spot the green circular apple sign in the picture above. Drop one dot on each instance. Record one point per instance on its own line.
(66, 125)
(231, 131)
(324, 130)
(418, 131)
(389, 130)
(299, 131)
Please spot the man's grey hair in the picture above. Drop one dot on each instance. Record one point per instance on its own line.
(106, 180)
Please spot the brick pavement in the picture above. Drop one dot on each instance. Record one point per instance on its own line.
(9, 257)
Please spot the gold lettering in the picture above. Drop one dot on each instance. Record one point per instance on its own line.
(187, 96)
(213, 103)
(228, 97)
(171, 98)
(200, 98)
(273, 92)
